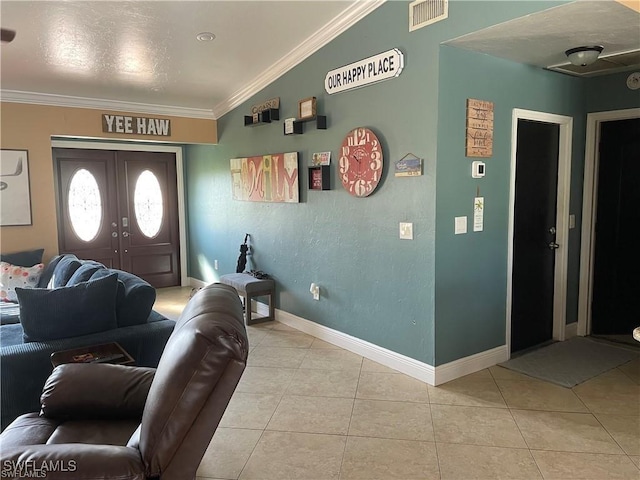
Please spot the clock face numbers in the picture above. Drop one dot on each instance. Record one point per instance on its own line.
(361, 162)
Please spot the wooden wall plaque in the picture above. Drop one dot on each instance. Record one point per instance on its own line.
(479, 128)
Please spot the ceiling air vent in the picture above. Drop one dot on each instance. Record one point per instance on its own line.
(426, 12)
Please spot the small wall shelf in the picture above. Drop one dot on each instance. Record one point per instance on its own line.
(266, 116)
(298, 125)
(320, 177)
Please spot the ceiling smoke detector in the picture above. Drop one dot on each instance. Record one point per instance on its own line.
(583, 56)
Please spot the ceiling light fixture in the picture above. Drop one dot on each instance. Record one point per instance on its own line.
(205, 37)
(583, 56)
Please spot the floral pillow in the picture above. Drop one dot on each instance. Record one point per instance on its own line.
(12, 276)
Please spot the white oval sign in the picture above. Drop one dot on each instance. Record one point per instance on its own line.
(383, 66)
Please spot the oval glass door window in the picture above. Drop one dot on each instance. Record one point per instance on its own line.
(147, 204)
(85, 205)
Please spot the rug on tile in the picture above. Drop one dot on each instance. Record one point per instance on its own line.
(570, 362)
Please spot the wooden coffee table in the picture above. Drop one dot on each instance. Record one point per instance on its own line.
(106, 353)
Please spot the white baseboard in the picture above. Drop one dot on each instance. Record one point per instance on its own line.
(409, 366)
(570, 330)
(194, 282)
(471, 364)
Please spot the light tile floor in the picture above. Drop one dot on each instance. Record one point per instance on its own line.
(307, 410)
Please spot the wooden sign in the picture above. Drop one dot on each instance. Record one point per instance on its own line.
(409, 166)
(159, 127)
(271, 103)
(479, 128)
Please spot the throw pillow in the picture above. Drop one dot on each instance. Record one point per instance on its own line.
(12, 276)
(28, 258)
(81, 309)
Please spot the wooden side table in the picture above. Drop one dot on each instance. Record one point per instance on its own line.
(106, 353)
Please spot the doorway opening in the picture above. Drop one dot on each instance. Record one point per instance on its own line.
(609, 259)
(538, 228)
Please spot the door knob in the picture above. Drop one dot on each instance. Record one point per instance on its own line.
(553, 246)
(552, 230)
(125, 234)
(114, 234)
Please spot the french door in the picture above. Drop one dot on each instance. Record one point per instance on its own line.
(120, 208)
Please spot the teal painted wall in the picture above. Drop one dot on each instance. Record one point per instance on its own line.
(610, 92)
(374, 286)
(471, 269)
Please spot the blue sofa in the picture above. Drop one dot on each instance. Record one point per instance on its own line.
(25, 365)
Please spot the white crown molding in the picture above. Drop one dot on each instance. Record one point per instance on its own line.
(15, 96)
(355, 12)
(317, 40)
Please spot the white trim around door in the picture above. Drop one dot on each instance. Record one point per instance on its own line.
(562, 217)
(180, 182)
(589, 199)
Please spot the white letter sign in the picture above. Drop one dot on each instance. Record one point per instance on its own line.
(383, 66)
(160, 127)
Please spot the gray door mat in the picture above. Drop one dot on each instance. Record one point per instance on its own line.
(571, 362)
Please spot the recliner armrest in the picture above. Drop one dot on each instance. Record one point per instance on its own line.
(70, 461)
(96, 391)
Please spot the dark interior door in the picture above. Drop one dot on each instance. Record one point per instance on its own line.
(120, 208)
(616, 275)
(534, 234)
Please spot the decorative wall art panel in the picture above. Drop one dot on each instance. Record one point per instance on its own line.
(266, 178)
(15, 197)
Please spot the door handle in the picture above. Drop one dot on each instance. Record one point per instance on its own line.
(552, 230)
(553, 246)
(125, 234)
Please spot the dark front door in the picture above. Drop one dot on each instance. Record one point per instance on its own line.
(534, 233)
(120, 208)
(616, 275)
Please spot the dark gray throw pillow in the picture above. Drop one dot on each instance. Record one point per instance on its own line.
(64, 312)
(28, 258)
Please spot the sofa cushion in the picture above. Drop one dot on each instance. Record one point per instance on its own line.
(135, 298)
(64, 270)
(82, 309)
(12, 276)
(27, 258)
(85, 272)
(48, 271)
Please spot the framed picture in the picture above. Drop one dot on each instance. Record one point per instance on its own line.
(15, 196)
(307, 108)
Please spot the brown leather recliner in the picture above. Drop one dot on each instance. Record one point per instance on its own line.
(109, 421)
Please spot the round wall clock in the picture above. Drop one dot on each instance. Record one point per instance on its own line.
(361, 162)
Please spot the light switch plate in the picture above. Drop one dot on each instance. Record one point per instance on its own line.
(406, 231)
(460, 225)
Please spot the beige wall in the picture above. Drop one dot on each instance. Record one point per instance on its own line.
(30, 127)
